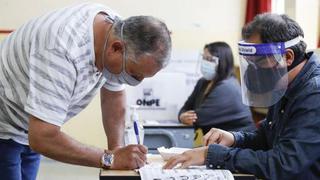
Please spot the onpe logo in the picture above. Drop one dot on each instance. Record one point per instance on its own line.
(148, 99)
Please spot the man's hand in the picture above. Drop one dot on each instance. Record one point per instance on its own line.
(130, 157)
(195, 156)
(218, 136)
(188, 117)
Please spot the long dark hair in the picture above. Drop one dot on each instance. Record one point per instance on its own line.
(223, 51)
(226, 65)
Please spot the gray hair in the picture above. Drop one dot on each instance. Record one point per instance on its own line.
(145, 36)
(276, 28)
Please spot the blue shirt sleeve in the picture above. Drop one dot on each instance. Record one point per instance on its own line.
(254, 140)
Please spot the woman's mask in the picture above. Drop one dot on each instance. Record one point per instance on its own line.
(208, 69)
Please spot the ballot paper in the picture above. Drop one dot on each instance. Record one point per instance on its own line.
(167, 153)
(151, 172)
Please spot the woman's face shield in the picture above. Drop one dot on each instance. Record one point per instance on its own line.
(263, 71)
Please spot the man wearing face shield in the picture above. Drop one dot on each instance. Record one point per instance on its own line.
(54, 65)
(276, 72)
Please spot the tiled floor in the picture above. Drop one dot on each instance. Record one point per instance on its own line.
(53, 170)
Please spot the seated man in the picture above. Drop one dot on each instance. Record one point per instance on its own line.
(279, 74)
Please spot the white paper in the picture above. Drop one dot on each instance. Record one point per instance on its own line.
(155, 172)
(168, 153)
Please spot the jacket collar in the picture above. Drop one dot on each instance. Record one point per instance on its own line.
(303, 76)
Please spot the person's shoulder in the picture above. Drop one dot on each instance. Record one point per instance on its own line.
(230, 82)
(310, 78)
(313, 72)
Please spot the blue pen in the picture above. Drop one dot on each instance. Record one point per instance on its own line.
(136, 131)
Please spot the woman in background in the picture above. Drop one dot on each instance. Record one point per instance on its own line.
(216, 98)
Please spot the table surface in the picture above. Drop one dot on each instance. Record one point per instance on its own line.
(155, 159)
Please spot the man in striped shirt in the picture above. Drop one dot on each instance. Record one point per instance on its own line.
(51, 68)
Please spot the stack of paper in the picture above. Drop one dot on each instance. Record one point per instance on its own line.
(157, 173)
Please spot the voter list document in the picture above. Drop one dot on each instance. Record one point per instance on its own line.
(150, 172)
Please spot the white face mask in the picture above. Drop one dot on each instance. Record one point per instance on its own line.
(209, 69)
(123, 77)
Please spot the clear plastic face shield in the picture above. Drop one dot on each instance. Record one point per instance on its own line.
(263, 71)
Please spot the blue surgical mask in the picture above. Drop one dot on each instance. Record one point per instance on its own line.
(123, 77)
(208, 69)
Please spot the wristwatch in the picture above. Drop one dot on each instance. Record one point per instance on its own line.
(106, 159)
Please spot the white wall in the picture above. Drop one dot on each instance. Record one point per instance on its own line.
(306, 13)
(192, 22)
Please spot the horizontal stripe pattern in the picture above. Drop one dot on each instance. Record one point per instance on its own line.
(47, 69)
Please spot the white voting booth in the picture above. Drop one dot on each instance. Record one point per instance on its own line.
(160, 98)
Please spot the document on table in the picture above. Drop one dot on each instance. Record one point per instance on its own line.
(168, 153)
(150, 172)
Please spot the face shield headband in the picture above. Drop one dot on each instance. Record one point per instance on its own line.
(265, 49)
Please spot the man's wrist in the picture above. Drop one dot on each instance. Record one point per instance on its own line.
(218, 157)
(114, 147)
(238, 139)
(106, 160)
(234, 139)
(206, 152)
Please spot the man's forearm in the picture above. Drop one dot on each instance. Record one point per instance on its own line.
(48, 140)
(65, 149)
(252, 140)
(115, 132)
(113, 116)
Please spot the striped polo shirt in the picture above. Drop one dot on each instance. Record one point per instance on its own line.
(47, 69)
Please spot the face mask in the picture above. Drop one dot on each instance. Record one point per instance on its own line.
(208, 69)
(123, 77)
(261, 80)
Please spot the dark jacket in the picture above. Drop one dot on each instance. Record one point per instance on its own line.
(222, 108)
(287, 144)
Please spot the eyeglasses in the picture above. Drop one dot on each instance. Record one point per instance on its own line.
(213, 59)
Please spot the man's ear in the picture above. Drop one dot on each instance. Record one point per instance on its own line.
(289, 56)
(117, 46)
